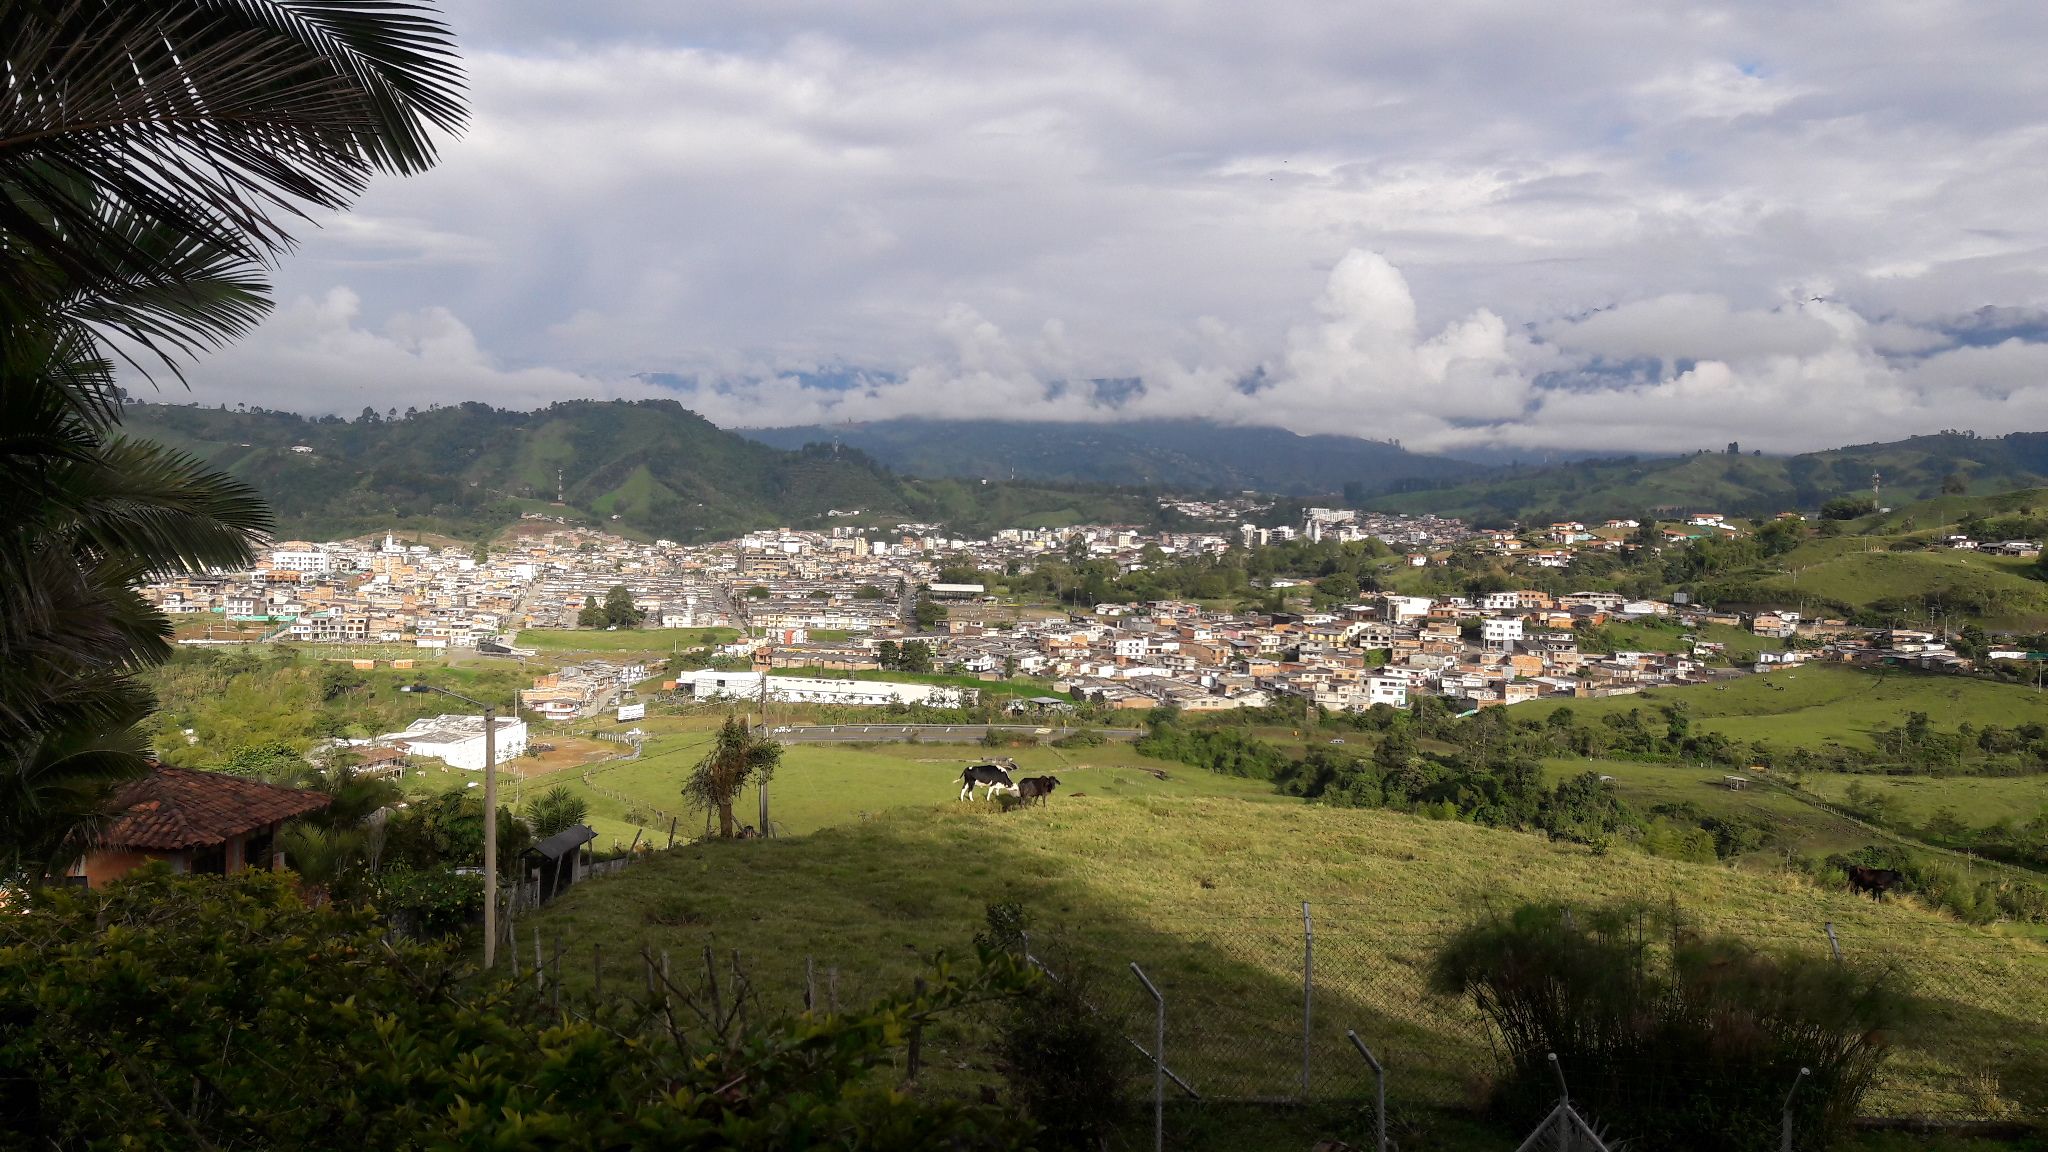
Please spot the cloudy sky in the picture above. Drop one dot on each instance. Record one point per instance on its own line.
(1631, 225)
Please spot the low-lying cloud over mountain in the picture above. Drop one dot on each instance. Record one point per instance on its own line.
(1455, 225)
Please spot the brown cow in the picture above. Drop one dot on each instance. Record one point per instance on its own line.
(1034, 789)
(1875, 881)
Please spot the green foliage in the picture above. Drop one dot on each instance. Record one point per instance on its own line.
(175, 1012)
(1069, 1067)
(1668, 1037)
(929, 614)
(1847, 508)
(556, 810)
(1224, 750)
(738, 756)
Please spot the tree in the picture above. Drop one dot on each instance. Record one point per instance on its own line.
(1847, 508)
(737, 758)
(591, 615)
(917, 657)
(868, 592)
(1734, 449)
(888, 654)
(618, 608)
(1953, 484)
(929, 614)
(148, 148)
(556, 810)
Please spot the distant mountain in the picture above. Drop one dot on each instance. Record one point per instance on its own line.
(651, 467)
(1185, 455)
(1741, 485)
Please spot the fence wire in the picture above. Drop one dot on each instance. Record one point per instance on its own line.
(1258, 1009)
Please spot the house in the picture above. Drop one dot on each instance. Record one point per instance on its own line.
(459, 740)
(201, 822)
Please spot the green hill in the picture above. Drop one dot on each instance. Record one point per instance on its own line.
(1205, 894)
(1193, 455)
(1737, 484)
(650, 466)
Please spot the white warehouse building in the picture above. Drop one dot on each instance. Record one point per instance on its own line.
(459, 740)
(711, 684)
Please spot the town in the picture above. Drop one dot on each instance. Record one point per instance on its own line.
(808, 607)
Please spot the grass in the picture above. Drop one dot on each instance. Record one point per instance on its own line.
(2001, 587)
(1204, 892)
(1795, 827)
(626, 641)
(1820, 703)
(1977, 800)
(821, 785)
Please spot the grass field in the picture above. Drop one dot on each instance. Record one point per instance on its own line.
(1795, 827)
(624, 642)
(2008, 596)
(1204, 892)
(1977, 800)
(821, 785)
(1827, 703)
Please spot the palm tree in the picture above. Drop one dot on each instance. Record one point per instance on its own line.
(148, 150)
(737, 757)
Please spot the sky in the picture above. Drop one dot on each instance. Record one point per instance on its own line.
(1638, 225)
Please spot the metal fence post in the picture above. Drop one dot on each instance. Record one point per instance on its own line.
(1379, 1075)
(1308, 995)
(1158, 1061)
(1785, 1129)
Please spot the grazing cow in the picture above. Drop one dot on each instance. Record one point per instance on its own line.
(1034, 789)
(1876, 881)
(989, 776)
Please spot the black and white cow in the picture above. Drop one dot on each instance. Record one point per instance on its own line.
(990, 776)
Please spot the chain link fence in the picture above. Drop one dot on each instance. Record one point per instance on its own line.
(1258, 1006)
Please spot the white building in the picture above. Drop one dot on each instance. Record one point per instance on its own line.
(711, 684)
(301, 560)
(459, 740)
(1501, 634)
(1388, 690)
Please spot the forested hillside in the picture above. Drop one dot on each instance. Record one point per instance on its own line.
(1738, 483)
(649, 466)
(1189, 455)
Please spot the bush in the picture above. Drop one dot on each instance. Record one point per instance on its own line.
(1667, 1037)
(1081, 738)
(1068, 1065)
(176, 1012)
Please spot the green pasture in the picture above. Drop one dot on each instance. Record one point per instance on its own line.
(2002, 587)
(624, 642)
(1206, 892)
(820, 785)
(1822, 703)
(1976, 800)
(1795, 827)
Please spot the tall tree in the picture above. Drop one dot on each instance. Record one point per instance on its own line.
(148, 149)
(737, 758)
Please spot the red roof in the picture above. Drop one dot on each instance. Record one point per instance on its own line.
(173, 808)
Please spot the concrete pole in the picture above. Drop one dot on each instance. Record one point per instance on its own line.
(490, 835)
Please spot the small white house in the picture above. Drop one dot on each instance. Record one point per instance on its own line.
(459, 740)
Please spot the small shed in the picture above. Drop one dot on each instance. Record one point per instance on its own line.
(553, 860)
(1735, 783)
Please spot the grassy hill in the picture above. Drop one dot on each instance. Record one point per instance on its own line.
(1746, 485)
(1827, 703)
(1205, 894)
(651, 467)
(1186, 454)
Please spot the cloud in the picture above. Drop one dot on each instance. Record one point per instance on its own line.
(1443, 223)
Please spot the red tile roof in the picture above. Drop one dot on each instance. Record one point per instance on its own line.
(174, 808)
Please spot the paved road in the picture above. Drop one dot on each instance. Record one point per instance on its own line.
(932, 733)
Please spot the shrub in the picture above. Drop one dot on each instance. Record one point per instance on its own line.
(1067, 1064)
(1667, 1037)
(176, 1012)
(1081, 738)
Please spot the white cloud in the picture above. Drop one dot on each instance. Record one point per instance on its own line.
(980, 203)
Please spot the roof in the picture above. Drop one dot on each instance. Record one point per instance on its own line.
(174, 808)
(564, 842)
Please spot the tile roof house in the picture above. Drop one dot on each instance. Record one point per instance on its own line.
(198, 822)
